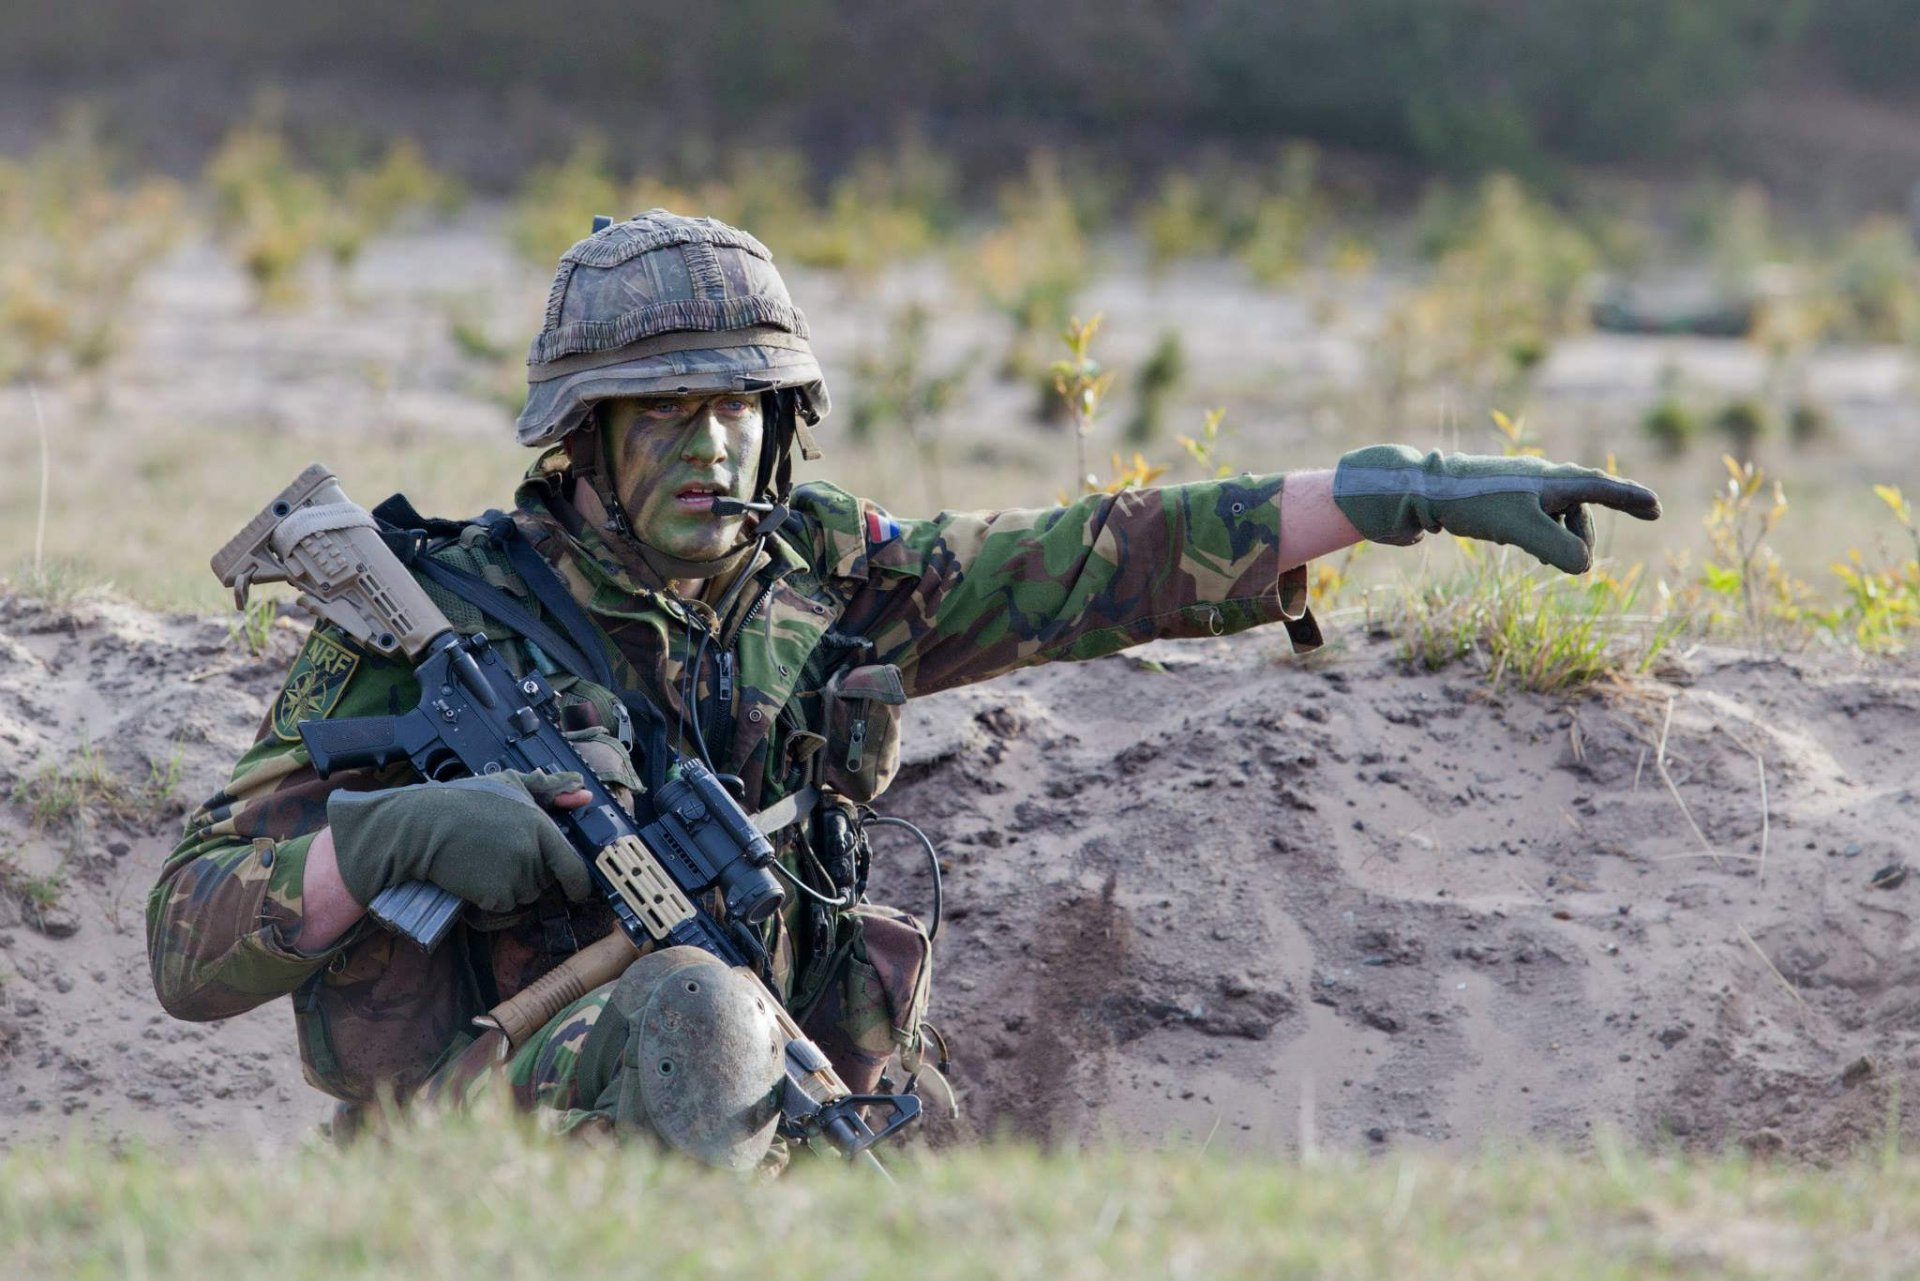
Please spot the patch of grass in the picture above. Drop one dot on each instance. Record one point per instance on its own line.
(430, 1202)
(156, 545)
(1532, 626)
(83, 788)
(58, 582)
(37, 894)
(252, 627)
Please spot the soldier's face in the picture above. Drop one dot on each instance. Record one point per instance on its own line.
(671, 455)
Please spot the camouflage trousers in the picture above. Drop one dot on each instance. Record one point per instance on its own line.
(542, 1076)
(869, 1010)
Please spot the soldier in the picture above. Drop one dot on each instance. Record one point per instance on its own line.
(779, 628)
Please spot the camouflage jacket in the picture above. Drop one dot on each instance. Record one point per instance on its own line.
(958, 598)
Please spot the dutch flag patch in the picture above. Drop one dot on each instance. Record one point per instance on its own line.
(881, 528)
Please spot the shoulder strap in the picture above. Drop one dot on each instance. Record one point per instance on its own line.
(558, 602)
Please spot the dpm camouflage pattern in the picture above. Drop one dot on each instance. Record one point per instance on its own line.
(958, 598)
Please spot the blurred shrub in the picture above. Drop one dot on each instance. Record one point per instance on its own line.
(1286, 219)
(1506, 283)
(77, 236)
(371, 201)
(897, 389)
(890, 205)
(1032, 266)
(274, 213)
(1270, 221)
(1875, 284)
(1670, 425)
(557, 203)
(1178, 223)
(1154, 385)
(271, 213)
(1743, 422)
(1808, 424)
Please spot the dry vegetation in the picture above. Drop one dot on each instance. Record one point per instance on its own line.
(1452, 315)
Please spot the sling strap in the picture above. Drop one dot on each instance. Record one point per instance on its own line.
(578, 650)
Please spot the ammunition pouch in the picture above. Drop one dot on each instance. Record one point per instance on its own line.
(874, 1002)
(860, 718)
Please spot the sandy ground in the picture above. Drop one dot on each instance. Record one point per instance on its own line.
(1223, 896)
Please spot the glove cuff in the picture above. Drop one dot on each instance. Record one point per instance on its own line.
(366, 866)
(1380, 489)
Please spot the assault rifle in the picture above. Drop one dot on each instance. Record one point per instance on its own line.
(690, 842)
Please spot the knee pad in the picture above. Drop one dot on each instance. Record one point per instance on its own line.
(704, 1059)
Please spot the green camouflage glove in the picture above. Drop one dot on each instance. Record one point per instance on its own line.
(485, 839)
(1393, 495)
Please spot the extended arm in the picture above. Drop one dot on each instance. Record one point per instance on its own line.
(1311, 526)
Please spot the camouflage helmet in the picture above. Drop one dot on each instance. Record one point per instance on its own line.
(665, 305)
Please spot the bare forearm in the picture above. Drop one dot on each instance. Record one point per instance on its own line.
(1310, 525)
(327, 908)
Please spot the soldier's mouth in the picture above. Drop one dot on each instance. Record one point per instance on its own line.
(699, 496)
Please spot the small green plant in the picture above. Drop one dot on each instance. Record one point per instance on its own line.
(83, 788)
(1880, 605)
(1204, 449)
(1154, 385)
(37, 894)
(1670, 425)
(1743, 566)
(1082, 386)
(253, 626)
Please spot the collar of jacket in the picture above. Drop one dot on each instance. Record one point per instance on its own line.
(609, 583)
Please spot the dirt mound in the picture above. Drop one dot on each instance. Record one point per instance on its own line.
(1268, 903)
(1200, 891)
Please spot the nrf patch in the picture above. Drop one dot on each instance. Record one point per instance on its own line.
(314, 686)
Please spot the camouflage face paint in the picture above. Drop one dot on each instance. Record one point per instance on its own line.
(670, 456)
